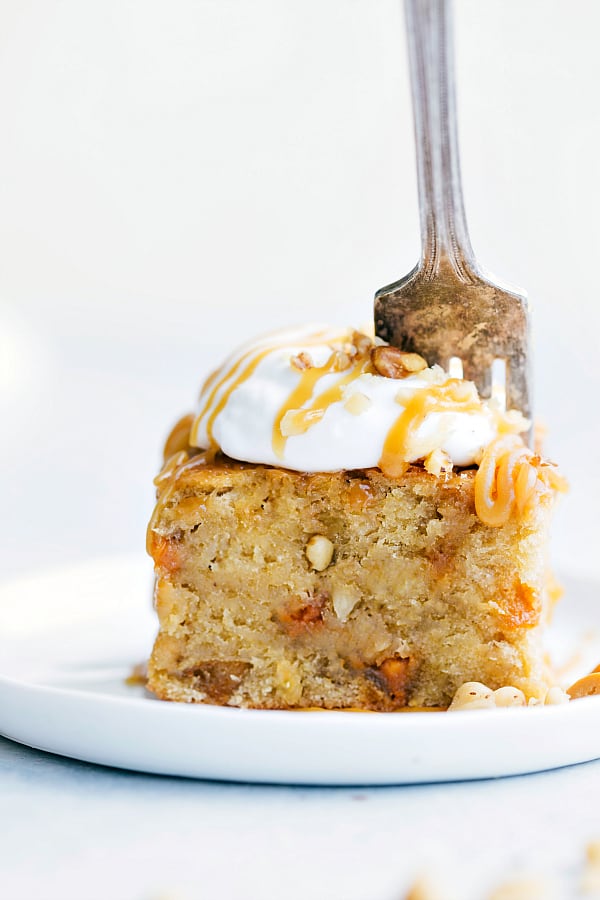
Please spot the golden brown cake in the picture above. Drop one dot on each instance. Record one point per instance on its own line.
(375, 588)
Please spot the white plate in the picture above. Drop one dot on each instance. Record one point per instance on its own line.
(69, 639)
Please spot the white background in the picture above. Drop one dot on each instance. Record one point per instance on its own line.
(177, 176)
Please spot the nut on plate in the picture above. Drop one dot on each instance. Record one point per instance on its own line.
(555, 696)
(509, 696)
(473, 695)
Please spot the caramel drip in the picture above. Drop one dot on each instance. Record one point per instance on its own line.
(242, 377)
(210, 380)
(508, 480)
(228, 373)
(303, 392)
(500, 471)
(452, 396)
(297, 398)
(336, 392)
(254, 355)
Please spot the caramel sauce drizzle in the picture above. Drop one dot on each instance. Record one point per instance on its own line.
(242, 377)
(220, 382)
(211, 378)
(509, 478)
(502, 472)
(452, 396)
(253, 357)
(317, 409)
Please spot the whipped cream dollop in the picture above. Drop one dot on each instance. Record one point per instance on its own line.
(313, 399)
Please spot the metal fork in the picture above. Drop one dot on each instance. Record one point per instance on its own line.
(448, 309)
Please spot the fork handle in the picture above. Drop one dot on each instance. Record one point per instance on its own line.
(445, 243)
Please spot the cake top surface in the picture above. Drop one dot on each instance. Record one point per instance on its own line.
(320, 399)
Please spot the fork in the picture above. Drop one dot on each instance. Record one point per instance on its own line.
(447, 308)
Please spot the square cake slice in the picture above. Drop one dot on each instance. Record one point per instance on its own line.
(348, 589)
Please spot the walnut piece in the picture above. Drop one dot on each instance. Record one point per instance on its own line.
(361, 342)
(301, 362)
(394, 363)
(437, 462)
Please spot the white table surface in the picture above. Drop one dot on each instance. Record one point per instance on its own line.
(175, 178)
(79, 832)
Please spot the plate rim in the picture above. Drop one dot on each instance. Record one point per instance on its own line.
(474, 727)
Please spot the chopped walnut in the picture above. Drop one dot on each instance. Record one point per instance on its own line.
(301, 362)
(340, 361)
(437, 462)
(394, 363)
(362, 343)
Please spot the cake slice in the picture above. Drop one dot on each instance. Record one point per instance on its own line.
(376, 588)
(349, 589)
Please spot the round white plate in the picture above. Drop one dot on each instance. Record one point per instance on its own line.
(69, 639)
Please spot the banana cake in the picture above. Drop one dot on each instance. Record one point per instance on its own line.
(341, 526)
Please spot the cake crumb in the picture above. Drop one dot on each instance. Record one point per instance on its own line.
(138, 675)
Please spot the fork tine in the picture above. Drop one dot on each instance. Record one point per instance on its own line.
(477, 322)
(447, 306)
